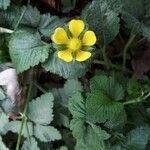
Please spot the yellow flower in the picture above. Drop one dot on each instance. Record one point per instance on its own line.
(74, 43)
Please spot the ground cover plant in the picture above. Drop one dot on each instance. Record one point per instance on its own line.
(74, 75)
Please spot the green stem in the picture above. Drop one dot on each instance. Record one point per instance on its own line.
(28, 133)
(24, 116)
(126, 49)
(106, 60)
(137, 100)
(39, 87)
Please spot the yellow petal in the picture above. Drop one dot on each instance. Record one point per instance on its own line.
(60, 36)
(89, 38)
(65, 55)
(76, 27)
(82, 55)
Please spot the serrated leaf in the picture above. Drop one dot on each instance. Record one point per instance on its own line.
(40, 110)
(78, 128)
(138, 138)
(14, 126)
(101, 108)
(48, 23)
(107, 85)
(8, 106)
(104, 22)
(3, 121)
(77, 106)
(2, 145)
(136, 16)
(30, 146)
(93, 139)
(46, 133)
(4, 4)
(67, 70)
(2, 95)
(31, 17)
(27, 50)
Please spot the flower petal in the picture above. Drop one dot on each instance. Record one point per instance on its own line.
(76, 27)
(89, 38)
(65, 55)
(82, 55)
(60, 36)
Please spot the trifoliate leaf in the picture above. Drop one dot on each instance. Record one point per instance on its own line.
(67, 70)
(40, 110)
(107, 85)
(103, 20)
(14, 126)
(138, 138)
(30, 146)
(77, 106)
(101, 108)
(78, 128)
(2, 145)
(4, 4)
(2, 95)
(46, 133)
(3, 121)
(27, 50)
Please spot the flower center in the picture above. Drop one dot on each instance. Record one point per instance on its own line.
(74, 44)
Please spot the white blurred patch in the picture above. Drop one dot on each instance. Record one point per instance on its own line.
(9, 79)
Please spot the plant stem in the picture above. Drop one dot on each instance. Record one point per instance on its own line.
(126, 49)
(137, 100)
(106, 60)
(5, 30)
(24, 116)
(28, 133)
(39, 87)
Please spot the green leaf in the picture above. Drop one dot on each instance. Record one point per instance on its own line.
(46, 133)
(3, 122)
(77, 106)
(27, 50)
(72, 86)
(4, 4)
(101, 108)
(67, 70)
(2, 145)
(48, 24)
(107, 85)
(103, 20)
(67, 5)
(93, 139)
(14, 126)
(78, 128)
(31, 17)
(30, 146)
(2, 95)
(40, 110)
(138, 138)
(136, 16)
